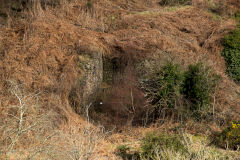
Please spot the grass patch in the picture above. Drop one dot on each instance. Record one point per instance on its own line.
(163, 146)
(152, 143)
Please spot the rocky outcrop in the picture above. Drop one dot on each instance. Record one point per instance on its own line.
(89, 79)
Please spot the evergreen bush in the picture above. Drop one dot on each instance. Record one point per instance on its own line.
(198, 86)
(163, 87)
(171, 90)
(231, 53)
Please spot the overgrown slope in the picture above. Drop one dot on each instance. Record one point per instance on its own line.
(84, 59)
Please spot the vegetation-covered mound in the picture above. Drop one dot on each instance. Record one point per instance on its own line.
(67, 66)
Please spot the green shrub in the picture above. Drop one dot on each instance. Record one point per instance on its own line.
(229, 137)
(236, 16)
(233, 39)
(175, 2)
(171, 90)
(198, 86)
(163, 87)
(152, 143)
(231, 53)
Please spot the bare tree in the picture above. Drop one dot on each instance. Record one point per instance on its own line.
(25, 124)
(28, 132)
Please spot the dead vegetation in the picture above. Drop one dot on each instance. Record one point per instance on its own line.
(39, 50)
(28, 131)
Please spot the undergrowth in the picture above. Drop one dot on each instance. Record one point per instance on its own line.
(170, 88)
(163, 88)
(153, 142)
(229, 138)
(124, 152)
(150, 146)
(173, 147)
(231, 53)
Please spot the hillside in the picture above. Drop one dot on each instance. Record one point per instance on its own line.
(89, 79)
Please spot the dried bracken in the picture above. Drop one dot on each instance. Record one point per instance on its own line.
(42, 44)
